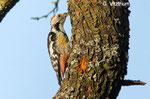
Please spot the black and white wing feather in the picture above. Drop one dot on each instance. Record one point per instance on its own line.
(54, 56)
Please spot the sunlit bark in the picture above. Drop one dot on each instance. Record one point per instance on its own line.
(98, 61)
(5, 6)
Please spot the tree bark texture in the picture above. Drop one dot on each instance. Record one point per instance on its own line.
(98, 60)
(5, 6)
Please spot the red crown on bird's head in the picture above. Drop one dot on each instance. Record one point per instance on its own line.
(52, 18)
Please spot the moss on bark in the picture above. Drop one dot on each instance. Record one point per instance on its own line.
(100, 35)
(5, 6)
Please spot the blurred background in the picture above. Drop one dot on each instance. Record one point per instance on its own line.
(25, 67)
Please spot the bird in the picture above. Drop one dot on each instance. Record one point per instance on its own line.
(58, 45)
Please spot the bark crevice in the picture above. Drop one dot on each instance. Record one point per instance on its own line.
(102, 40)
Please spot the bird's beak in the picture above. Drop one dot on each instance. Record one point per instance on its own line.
(65, 14)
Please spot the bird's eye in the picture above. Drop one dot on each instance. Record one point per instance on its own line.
(58, 15)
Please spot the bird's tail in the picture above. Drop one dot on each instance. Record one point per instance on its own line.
(60, 77)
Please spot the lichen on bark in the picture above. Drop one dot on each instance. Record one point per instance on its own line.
(100, 36)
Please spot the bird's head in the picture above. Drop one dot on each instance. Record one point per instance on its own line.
(58, 18)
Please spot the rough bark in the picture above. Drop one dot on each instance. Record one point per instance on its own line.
(99, 56)
(5, 6)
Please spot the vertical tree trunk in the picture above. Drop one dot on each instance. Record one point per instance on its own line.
(5, 6)
(99, 56)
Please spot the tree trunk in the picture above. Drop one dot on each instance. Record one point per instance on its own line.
(98, 60)
(5, 6)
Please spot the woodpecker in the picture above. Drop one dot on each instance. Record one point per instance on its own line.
(58, 45)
